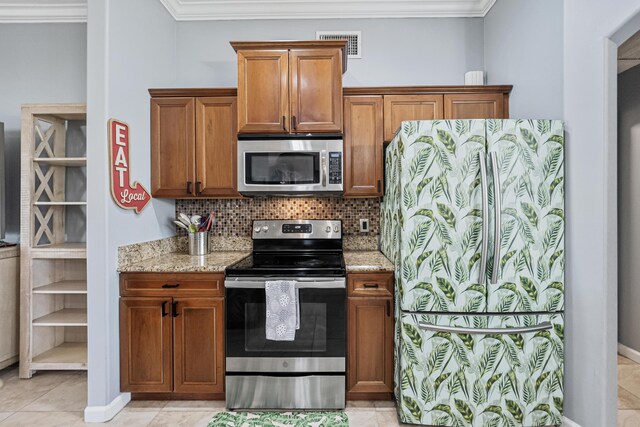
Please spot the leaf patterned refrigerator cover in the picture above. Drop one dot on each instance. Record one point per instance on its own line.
(473, 218)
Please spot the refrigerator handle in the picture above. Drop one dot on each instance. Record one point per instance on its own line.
(485, 331)
(495, 273)
(485, 217)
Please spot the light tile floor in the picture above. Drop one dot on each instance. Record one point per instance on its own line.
(628, 393)
(52, 399)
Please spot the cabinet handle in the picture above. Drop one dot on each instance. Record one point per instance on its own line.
(164, 311)
(168, 286)
(294, 123)
(198, 188)
(188, 187)
(174, 309)
(379, 186)
(371, 285)
(388, 308)
(284, 127)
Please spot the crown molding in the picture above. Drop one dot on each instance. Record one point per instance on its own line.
(33, 13)
(199, 10)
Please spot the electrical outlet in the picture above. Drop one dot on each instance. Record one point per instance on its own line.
(364, 225)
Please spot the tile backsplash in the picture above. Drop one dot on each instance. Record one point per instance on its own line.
(233, 217)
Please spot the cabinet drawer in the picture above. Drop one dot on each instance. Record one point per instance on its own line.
(370, 284)
(168, 284)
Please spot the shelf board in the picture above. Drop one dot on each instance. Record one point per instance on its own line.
(64, 317)
(63, 287)
(69, 355)
(60, 250)
(62, 161)
(59, 203)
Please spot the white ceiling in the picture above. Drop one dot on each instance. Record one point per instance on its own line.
(196, 10)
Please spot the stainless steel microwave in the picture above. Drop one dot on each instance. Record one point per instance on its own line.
(311, 164)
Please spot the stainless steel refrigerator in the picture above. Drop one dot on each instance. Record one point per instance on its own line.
(473, 217)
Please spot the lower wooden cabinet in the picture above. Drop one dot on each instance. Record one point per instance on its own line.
(370, 340)
(172, 344)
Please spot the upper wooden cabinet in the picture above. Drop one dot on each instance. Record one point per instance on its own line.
(290, 87)
(263, 91)
(476, 106)
(172, 147)
(363, 150)
(193, 144)
(399, 108)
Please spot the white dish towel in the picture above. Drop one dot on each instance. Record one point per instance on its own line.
(283, 310)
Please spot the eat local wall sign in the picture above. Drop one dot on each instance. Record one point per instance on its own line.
(126, 195)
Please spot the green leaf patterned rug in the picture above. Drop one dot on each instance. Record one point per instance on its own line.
(280, 419)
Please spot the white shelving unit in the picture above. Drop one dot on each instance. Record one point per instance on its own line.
(53, 270)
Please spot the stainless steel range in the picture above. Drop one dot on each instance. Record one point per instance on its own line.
(307, 371)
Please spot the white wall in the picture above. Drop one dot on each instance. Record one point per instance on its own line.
(591, 267)
(40, 63)
(394, 51)
(523, 47)
(131, 48)
(629, 208)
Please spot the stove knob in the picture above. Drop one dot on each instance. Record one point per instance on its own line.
(265, 228)
(328, 229)
(336, 228)
(257, 229)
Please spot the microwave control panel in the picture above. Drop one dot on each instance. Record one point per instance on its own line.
(335, 167)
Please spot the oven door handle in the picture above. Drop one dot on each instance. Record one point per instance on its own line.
(301, 283)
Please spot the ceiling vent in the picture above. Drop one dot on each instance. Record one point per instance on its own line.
(354, 47)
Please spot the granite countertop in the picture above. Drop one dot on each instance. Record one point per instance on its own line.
(9, 252)
(180, 262)
(366, 261)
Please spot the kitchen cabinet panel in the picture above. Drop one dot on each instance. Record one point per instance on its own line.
(363, 146)
(215, 147)
(370, 336)
(263, 91)
(370, 357)
(316, 90)
(290, 87)
(399, 108)
(193, 147)
(145, 345)
(198, 360)
(172, 338)
(476, 106)
(172, 148)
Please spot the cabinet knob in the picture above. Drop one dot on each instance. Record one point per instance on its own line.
(371, 285)
(284, 125)
(198, 188)
(188, 187)
(294, 122)
(388, 308)
(168, 286)
(379, 185)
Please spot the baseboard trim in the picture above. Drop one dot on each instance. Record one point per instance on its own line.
(629, 353)
(102, 414)
(566, 422)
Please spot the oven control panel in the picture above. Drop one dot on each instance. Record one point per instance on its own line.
(297, 229)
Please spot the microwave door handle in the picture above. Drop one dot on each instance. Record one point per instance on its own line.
(323, 156)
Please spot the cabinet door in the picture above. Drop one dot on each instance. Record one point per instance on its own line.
(398, 108)
(145, 345)
(363, 146)
(370, 340)
(316, 90)
(199, 345)
(172, 154)
(475, 106)
(263, 91)
(216, 137)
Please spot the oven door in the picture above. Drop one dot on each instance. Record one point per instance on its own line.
(319, 344)
(289, 166)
